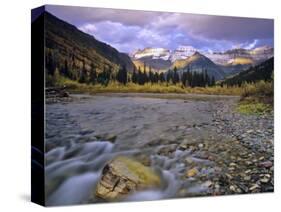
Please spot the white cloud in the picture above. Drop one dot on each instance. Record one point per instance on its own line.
(88, 28)
(126, 28)
(251, 45)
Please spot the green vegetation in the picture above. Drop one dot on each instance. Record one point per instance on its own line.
(253, 108)
(260, 89)
(117, 87)
(57, 70)
(125, 82)
(258, 93)
(78, 55)
(92, 80)
(257, 98)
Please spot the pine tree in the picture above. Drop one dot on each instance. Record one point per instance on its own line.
(188, 77)
(207, 79)
(50, 63)
(150, 75)
(125, 75)
(175, 76)
(161, 77)
(169, 76)
(140, 77)
(156, 77)
(122, 75)
(83, 78)
(103, 76)
(65, 70)
(145, 77)
(201, 79)
(93, 74)
(56, 76)
(184, 79)
(73, 70)
(134, 76)
(213, 81)
(194, 79)
(144, 67)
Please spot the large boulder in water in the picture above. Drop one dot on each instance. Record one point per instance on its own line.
(124, 175)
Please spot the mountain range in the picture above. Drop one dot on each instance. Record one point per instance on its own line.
(78, 51)
(231, 56)
(230, 62)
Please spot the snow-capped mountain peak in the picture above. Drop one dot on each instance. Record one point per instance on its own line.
(232, 56)
(155, 53)
(182, 52)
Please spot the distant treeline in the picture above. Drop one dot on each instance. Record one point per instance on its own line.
(263, 71)
(187, 78)
(138, 76)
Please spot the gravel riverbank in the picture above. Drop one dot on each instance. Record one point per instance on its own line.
(198, 143)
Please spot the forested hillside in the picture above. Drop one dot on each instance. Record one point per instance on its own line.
(79, 56)
(264, 71)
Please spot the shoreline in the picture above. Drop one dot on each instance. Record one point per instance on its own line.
(187, 96)
(205, 146)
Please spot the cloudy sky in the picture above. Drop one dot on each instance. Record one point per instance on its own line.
(129, 30)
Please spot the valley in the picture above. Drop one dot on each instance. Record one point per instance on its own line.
(77, 56)
(173, 115)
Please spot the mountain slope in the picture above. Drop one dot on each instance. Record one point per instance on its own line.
(262, 71)
(198, 62)
(79, 49)
(156, 65)
(240, 61)
(241, 56)
(234, 69)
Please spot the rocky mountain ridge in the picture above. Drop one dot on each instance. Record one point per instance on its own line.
(230, 57)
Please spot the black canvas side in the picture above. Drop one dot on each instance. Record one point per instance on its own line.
(37, 106)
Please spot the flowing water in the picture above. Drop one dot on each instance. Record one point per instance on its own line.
(84, 134)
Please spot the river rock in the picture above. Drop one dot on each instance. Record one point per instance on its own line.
(247, 178)
(265, 180)
(200, 145)
(182, 127)
(111, 138)
(254, 187)
(122, 176)
(232, 188)
(144, 159)
(64, 94)
(183, 146)
(191, 172)
(167, 150)
(266, 164)
(189, 161)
